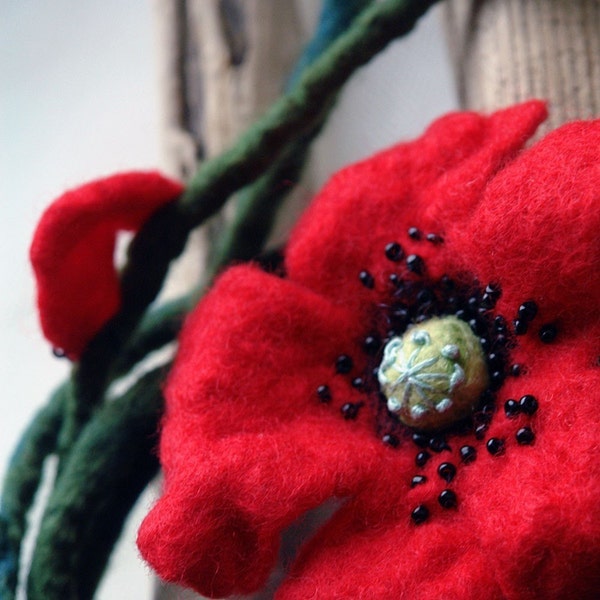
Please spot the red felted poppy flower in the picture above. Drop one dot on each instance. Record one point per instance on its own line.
(73, 248)
(279, 398)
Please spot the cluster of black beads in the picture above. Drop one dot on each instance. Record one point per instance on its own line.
(526, 405)
(414, 297)
(525, 315)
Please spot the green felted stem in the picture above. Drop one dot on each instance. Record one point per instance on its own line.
(108, 467)
(164, 236)
(21, 484)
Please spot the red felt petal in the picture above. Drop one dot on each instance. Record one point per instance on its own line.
(246, 445)
(537, 229)
(380, 561)
(527, 523)
(73, 249)
(430, 183)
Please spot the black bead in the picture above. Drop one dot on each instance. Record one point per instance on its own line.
(415, 264)
(350, 410)
(480, 431)
(520, 326)
(488, 301)
(478, 327)
(548, 333)
(367, 279)
(420, 514)
(434, 238)
(393, 251)
(493, 289)
(420, 439)
(501, 341)
(395, 280)
(528, 404)
(447, 471)
(494, 360)
(358, 383)
(525, 436)
(438, 443)
(468, 454)
(473, 303)
(391, 440)
(58, 352)
(516, 370)
(371, 345)
(422, 458)
(324, 393)
(511, 408)
(414, 233)
(527, 311)
(447, 499)
(343, 364)
(500, 324)
(447, 283)
(496, 379)
(425, 296)
(418, 480)
(495, 446)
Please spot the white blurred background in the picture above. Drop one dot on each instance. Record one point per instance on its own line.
(79, 99)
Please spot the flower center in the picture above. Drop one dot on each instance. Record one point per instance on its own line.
(434, 374)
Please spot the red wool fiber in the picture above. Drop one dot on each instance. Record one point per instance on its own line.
(73, 247)
(247, 446)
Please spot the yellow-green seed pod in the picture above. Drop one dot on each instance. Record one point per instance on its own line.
(434, 375)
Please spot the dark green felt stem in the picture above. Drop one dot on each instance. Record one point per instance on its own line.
(296, 113)
(108, 467)
(21, 483)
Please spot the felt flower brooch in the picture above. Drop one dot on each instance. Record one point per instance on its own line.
(429, 358)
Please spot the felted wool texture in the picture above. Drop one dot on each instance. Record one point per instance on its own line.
(247, 445)
(72, 252)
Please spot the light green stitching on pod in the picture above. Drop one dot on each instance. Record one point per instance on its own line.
(434, 375)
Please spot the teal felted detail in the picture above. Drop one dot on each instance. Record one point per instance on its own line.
(335, 17)
(164, 236)
(108, 467)
(21, 483)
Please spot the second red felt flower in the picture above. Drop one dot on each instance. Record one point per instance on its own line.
(73, 248)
